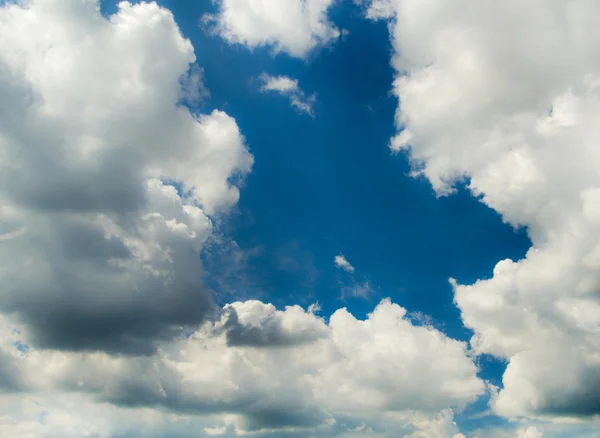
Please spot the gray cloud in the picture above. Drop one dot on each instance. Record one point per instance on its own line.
(269, 334)
(98, 251)
(10, 374)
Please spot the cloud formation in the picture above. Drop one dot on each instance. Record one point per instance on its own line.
(255, 324)
(295, 27)
(515, 115)
(99, 251)
(108, 186)
(442, 426)
(296, 373)
(289, 87)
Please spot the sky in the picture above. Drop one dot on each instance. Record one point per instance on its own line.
(299, 218)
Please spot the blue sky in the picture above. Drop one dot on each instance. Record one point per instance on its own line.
(330, 185)
(166, 250)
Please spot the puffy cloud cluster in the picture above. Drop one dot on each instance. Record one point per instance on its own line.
(293, 26)
(442, 426)
(267, 369)
(506, 95)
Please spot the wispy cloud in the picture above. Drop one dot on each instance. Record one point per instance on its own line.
(289, 87)
(358, 288)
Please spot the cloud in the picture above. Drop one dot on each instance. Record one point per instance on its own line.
(341, 262)
(357, 289)
(515, 116)
(442, 426)
(11, 378)
(289, 87)
(530, 432)
(302, 104)
(295, 27)
(281, 84)
(75, 416)
(107, 189)
(255, 324)
(193, 89)
(103, 250)
(296, 373)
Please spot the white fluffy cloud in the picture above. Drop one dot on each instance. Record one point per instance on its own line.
(281, 84)
(292, 26)
(273, 370)
(289, 87)
(443, 426)
(507, 95)
(341, 262)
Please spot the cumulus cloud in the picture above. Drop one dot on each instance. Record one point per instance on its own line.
(442, 426)
(515, 114)
(289, 87)
(341, 262)
(255, 324)
(99, 251)
(296, 374)
(295, 27)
